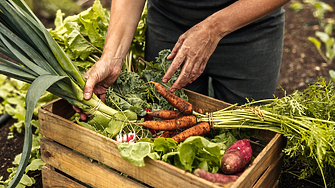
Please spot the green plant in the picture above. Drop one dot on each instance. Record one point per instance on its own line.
(319, 8)
(328, 41)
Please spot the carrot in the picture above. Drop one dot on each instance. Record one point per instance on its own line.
(171, 124)
(199, 110)
(168, 134)
(165, 114)
(197, 130)
(177, 102)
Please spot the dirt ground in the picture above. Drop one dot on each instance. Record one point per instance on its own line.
(301, 65)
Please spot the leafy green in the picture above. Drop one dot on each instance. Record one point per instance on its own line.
(194, 152)
(83, 34)
(132, 91)
(135, 153)
(305, 118)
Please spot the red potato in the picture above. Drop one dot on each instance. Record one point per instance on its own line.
(232, 161)
(215, 177)
(245, 148)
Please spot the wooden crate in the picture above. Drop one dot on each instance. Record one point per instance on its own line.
(68, 148)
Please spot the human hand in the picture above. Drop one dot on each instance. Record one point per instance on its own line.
(99, 78)
(193, 48)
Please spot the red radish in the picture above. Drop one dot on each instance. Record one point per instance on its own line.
(148, 116)
(215, 177)
(232, 161)
(153, 132)
(130, 138)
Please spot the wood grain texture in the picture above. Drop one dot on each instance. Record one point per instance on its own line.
(270, 176)
(104, 150)
(81, 167)
(268, 156)
(155, 173)
(53, 179)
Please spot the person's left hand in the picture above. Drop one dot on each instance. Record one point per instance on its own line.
(193, 48)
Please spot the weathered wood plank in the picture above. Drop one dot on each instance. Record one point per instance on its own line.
(267, 157)
(271, 175)
(53, 179)
(104, 150)
(155, 173)
(202, 101)
(81, 168)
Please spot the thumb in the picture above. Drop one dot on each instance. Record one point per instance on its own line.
(88, 91)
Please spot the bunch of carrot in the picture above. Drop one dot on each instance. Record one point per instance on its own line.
(178, 124)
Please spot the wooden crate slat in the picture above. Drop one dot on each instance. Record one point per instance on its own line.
(81, 168)
(268, 156)
(202, 101)
(155, 173)
(104, 150)
(270, 176)
(52, 179)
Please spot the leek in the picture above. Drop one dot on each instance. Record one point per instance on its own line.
(34, 57)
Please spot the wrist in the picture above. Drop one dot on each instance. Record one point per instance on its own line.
(218, 26)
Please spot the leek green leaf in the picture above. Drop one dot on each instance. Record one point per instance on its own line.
(37, 88)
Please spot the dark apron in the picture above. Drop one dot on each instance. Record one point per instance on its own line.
(245, 64)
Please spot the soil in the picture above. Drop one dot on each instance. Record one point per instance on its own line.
(301, 65)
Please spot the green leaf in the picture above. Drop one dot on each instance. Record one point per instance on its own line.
(37, 88)
(84, 124)
(316, 42)
(99, 120)
(36, 164)
(27, 181)
(135, 153)
(332, 75)
(323, 36)
(187, 155)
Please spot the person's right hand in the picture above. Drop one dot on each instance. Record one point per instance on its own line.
(99, 78)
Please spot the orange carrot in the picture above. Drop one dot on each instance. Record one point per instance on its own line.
(165, 114)
(168, 134)
(197, 130)
(177, 102)
(171, 124)
(199, 110)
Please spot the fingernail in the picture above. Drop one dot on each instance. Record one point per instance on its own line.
(87, 95)
(173, 90)
(164, 80)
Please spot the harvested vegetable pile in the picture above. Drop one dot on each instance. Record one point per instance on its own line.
(305, 118)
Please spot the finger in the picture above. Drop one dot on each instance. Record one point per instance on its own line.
(76, 109)
(183, 78)
(103, 98)
(176, 63)
(175, 49)
(90, 84)
(83, 116)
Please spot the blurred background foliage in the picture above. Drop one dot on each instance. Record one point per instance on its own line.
(46, 9)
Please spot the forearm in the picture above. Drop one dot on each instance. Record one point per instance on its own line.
(124, 18)
(241, 13)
